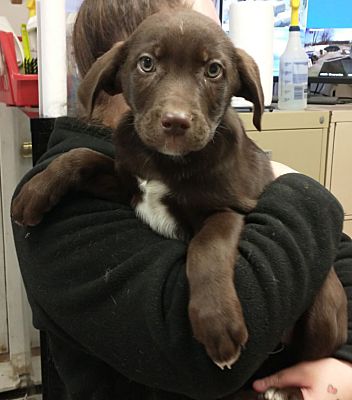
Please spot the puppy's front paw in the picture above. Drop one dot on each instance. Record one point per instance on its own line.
(219, 325)
(283, 394)
(36, 197)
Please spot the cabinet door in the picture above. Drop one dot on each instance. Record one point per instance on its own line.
(301, 149)
(341, 168)
(3, 311)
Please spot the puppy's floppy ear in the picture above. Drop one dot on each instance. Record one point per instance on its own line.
(103, 75)
(250, 88)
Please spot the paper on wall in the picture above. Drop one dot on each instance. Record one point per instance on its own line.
(52, 58)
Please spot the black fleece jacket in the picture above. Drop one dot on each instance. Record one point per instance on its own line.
(112, 294)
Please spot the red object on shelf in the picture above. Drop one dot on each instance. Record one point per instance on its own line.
(16, 89)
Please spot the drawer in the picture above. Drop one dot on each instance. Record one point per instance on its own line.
(302, 149)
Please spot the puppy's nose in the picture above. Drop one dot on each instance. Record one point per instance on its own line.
(175, 123)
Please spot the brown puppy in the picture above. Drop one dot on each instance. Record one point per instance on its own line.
(185, 163)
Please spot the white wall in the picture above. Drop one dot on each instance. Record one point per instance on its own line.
(17, 14)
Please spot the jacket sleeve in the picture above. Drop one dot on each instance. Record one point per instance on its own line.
(101, 280)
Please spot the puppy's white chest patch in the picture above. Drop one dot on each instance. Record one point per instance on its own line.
(153, 212)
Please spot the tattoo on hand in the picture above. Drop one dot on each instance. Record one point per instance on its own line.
(331, 389)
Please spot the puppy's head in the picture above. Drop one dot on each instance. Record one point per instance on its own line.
(177, 72)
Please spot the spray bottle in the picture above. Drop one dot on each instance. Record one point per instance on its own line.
(32, 27)
(293, 75)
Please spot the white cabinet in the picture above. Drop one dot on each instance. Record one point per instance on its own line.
(339, 161)
(347, 227)
(295, 138)
(4, 340)
(19, 342)
(316, 142)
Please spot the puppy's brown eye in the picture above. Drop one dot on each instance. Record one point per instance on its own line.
(214, 70)
(146, 64)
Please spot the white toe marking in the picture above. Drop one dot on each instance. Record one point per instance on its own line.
(227, 364)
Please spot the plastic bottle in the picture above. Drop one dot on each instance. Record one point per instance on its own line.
(293, 75)
(32, 27)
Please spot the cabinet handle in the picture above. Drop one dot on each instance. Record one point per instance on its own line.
(26, 149)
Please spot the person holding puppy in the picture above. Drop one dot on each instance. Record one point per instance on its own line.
(112, 295)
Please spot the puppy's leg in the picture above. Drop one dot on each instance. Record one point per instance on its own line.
(78, 169)
(323, 327)
(215, 311)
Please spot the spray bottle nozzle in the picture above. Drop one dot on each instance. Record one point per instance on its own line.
(294, 12)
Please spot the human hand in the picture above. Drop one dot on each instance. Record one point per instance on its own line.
(280, 169)
(325, 379)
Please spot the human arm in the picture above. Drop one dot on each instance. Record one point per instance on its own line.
(100, 279)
